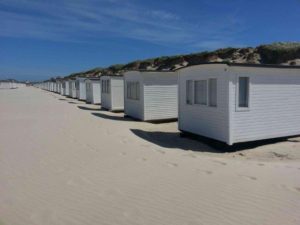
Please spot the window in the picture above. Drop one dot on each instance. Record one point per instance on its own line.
(189, 92)
(200, 92)
(133, 90)
(105, 86)
(108, 87)
(243, 95)
(212, 92)
(128, 93)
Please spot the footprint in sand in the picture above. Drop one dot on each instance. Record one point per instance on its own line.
(260, 164)
(290, 188)
(124, 141)
(160, 151)
(297, 189)
(190, 155)
(143, 159)
(71, 183)
(219, 162)
(123, 153)
(172, 164)
(91, 148)
(248, 177)
(208, 172)
(147, 146)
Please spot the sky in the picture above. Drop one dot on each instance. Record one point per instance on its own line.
(40, 39)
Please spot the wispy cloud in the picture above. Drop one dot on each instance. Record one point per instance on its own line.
(80, 19)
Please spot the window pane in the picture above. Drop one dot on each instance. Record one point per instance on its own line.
(133, 89)
(127, 89)
(201, 92)
(130, 90)
(137, 90)
(213, 92)
(243, 91)
(189, 92)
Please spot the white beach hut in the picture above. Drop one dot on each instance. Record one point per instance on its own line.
(93, 90)
(80, 88)
(61, 87)
(72, 88)
(51, 86)
(151, 95)
(58, 86)
(5, 84)
(65, 85)
(238, 103)
(112, 93)
(54, 86)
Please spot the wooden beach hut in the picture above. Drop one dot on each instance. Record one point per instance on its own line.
(93, 90)
(80, 88)
(151, 95)
(112, 93)
(236, 103)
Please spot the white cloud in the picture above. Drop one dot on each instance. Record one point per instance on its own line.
(80, 19)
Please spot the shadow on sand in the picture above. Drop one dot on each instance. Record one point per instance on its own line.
(89, 109)
(111, 117)
(173, 140)
(197, 143)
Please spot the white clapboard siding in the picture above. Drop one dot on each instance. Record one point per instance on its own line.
(96, 92)
(117, 93)
(160, 95)
(114, 100)
(72, 89)
(66, 89)
(274, 103)
(158, 98)
(206, 121)
(5, 85)
(93, 91)
(106, 101)
(80, 88)
(274, 109)
(134, 107)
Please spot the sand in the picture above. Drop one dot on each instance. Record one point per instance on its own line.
(63, 162)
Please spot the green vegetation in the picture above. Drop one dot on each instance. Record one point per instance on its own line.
(276, 53)
(279, 52)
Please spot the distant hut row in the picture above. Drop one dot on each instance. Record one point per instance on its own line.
(231, 103)
(10, 84)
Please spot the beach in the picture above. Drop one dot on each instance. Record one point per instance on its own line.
(65, 162)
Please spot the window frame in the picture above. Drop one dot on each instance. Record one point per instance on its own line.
(133, 90)
(105, 87)
(237, 105)
(194, 91)
(209, 89)
(193, 83)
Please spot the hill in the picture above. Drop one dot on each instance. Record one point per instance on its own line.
(283, 53)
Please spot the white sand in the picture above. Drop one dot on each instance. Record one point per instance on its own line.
(63, 165)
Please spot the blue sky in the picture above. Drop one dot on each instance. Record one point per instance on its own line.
(41, 39)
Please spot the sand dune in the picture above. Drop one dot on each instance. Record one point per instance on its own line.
(63, 162)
